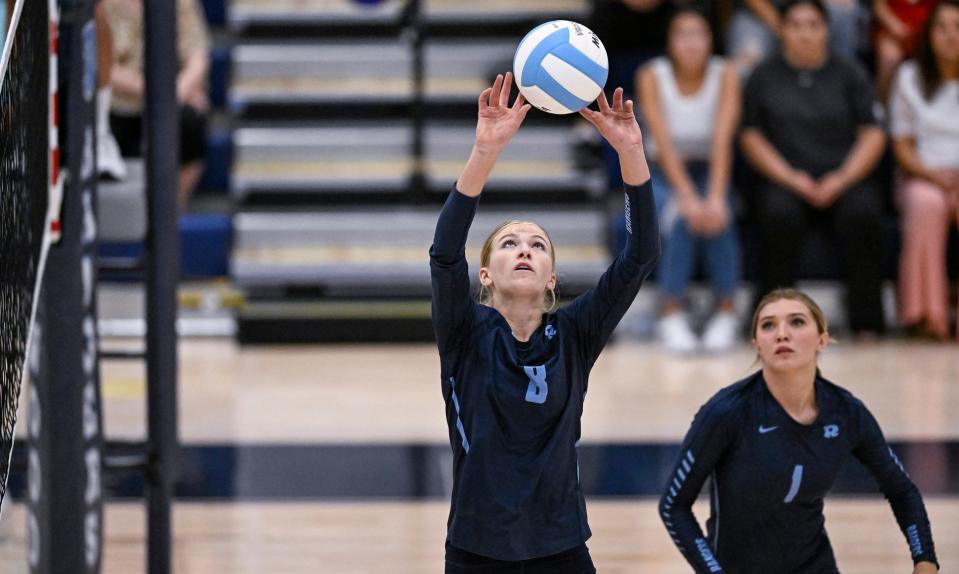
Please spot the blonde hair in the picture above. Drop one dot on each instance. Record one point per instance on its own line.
(485, 296)
(793, 295)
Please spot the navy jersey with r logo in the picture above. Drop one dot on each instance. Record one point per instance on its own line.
(513, 408)
(770, 475)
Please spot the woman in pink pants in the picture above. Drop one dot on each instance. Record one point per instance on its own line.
(925, 131)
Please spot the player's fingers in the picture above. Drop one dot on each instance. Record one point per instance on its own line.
(484, 95)
(618, 99)
(524, 110)
(589, 115)
(504, 92)
(602, 102)
(494, 96)
(520, 100)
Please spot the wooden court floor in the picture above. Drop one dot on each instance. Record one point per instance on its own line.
(339, 394)
(391, 393)
(407, 538)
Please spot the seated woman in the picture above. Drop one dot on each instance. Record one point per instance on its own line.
(125, 18)
(925, 134)
(690, 102)
(810, 131)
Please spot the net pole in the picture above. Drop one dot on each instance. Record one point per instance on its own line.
(161, 131)
(65, 425)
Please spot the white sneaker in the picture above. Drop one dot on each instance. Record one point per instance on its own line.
(109, 161)
(676, 335)
(720, 332)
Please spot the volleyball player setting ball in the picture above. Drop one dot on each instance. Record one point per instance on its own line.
(514, 369)
(773, 445)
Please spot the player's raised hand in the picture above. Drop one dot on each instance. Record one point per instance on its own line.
(497, 121)
(616, 123)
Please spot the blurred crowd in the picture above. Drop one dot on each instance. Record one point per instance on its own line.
(765, 120)
(121, 85)
(786, 117)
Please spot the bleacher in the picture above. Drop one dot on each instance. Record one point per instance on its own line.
(322, 158)
(341, 126)
(378, 71)
(350, 122)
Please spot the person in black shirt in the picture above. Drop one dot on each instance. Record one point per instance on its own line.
(772, 445)
(513, 372)
(810, 132)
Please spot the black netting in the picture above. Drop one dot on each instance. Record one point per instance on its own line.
(24, 137)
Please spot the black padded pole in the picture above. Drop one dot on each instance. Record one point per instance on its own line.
(161, 134)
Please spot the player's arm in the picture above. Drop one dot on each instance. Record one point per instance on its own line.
(709, 436)
(895, 484)
(600, 309)
(496, 124)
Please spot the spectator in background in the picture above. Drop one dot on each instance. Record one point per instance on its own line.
(633, 32)
(810, 131)
(754, 28)
(126, 22)
(690, 100)
(898, 24)
(925, 133)
(110, 164)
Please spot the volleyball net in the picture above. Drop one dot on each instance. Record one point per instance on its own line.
(25, 175)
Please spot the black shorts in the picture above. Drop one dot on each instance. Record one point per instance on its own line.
(573, 561)
(128, 131)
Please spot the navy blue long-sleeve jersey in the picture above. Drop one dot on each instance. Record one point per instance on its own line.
(513, 408)
(769, 477)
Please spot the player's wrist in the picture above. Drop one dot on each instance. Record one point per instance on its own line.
(630, 149)
(486, 150)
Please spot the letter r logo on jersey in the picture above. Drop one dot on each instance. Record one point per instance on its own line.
(537, 390)
(830, 431)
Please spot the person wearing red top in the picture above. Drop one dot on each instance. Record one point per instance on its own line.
(898, 28)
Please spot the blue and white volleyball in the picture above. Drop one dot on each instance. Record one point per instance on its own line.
(560, 67)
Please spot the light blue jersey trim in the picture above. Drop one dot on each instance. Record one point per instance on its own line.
(459, 423)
